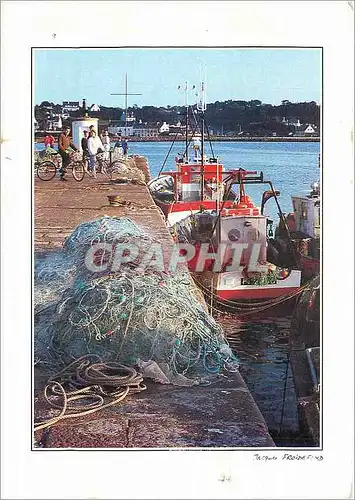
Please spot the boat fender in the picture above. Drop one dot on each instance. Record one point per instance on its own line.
(284, 273)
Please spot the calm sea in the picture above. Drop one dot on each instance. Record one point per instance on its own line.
(291, 166)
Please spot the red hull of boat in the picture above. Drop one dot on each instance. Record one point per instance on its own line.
(255, 294)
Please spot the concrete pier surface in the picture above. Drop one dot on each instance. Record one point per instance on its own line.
(222, 414)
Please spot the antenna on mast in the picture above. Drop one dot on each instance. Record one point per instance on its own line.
(126, 94)
(201, 104)
(186, 90)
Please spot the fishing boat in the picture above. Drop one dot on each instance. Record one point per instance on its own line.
(304, 230)
(208, 207)
(305, 358)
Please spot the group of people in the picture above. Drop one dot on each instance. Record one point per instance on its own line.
(91, 145)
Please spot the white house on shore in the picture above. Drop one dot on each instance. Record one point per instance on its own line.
(55, 122)
(164, 128)
(310, 129)
(94, 107)
(307, 131)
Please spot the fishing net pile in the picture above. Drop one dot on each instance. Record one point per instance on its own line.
(130, 169)
(133, 315)
(53, 274)
(44, 155)
(50, 154)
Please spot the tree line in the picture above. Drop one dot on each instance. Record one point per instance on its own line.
(231, 116)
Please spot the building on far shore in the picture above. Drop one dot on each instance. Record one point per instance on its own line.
(307, 131)
(292, 122)
(94, 107)
(145, 130)
(119, 129)
(68, 106)
(164, 128)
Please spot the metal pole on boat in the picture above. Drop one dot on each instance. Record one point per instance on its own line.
(202, 153)
(284, 221)
(202, 107)
(186, 125)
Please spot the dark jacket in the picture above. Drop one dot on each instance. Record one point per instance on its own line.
(84, 144)
(65, 142)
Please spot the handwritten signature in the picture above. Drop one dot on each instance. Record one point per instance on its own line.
(288, 456)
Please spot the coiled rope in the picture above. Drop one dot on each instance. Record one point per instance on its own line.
(91, 382)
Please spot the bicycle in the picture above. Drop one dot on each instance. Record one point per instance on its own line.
(102, 166)
(47, 169)
(108, 167)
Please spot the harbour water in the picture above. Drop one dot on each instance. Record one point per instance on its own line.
(261, 346)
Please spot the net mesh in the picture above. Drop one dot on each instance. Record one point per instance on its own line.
(130, 315)
(129, 169)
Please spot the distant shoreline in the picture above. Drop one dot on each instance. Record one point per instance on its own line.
(213, 139)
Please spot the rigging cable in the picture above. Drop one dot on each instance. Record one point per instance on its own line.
(167, 156)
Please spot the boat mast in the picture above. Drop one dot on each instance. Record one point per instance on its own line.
(186, 125)
(202, 107)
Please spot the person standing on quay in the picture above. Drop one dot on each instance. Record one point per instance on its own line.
(64, 144)
(125, 146)
(49, 141)
(94, 146)
(84, 146)
(106, 143)
(118, 145)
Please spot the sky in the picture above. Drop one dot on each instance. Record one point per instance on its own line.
(269, 75)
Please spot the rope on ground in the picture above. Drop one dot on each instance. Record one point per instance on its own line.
(91, 382)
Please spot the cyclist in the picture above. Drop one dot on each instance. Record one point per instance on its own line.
(64, 144)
